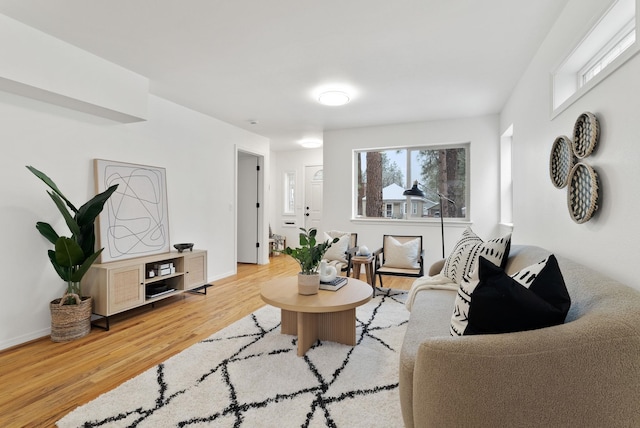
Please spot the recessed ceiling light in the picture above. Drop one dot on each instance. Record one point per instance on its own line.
(310, 143)
(333, 98)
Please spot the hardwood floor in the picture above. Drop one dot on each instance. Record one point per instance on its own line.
(41, 381)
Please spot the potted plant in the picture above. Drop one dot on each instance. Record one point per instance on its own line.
(71, 258)
(309, 255)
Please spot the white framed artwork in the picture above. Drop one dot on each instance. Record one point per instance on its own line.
(134, 221)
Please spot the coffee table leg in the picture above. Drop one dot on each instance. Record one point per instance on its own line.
(307, 331)
(289, 322)
(310, 327)
(338, 326)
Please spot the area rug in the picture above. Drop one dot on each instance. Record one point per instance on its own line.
(248, 375)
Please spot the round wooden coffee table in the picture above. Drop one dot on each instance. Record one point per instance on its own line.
(328, 315)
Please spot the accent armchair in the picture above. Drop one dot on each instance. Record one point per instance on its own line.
(400, 255)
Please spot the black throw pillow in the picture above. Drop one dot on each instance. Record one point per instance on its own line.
(532, 298)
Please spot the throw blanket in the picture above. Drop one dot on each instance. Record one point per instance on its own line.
(436, 282)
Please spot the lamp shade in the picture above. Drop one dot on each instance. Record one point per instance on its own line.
(414, 191)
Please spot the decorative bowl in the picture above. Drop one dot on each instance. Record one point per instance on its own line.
(183, 246)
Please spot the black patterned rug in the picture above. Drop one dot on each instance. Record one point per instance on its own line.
(248, 375)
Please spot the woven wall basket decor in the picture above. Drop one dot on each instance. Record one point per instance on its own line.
(582, 192)
(586, 132)
(561, 161)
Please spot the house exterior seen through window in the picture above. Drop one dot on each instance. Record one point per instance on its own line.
(383, 175)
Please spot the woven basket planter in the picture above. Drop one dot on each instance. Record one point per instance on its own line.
(70, 322)
(308, 284)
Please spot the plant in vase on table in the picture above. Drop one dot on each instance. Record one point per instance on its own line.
(71, 258)
(309, 255)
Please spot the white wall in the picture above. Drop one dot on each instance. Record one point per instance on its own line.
(481, 132)
(294, 160)
(197, 151)
(608, 242)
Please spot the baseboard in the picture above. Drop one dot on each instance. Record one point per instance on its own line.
(21, 340)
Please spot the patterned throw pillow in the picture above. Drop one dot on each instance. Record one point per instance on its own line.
(460, 317)
(494, 302)
(464, 257)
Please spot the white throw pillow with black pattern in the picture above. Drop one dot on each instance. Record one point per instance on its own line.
(460, 317)
(464, 258)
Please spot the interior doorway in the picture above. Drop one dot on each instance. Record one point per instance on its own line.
(249, 207)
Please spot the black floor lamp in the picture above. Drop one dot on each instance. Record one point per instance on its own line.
(415, 191)
(441, 197)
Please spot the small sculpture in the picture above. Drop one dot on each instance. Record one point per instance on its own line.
(327, 272)
(363, 251)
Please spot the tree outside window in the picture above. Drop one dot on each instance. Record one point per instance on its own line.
(383, 175)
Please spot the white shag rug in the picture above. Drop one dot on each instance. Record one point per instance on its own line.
(248, 375)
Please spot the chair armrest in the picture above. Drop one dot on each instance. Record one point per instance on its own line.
(351, 252)
(376, 256)
(436, 267)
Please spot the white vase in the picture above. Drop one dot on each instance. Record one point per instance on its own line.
(308, 284)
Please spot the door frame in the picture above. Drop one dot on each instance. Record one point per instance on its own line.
(263, 240)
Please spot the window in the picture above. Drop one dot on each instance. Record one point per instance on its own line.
(383, 175)
(620, 43)
(289, 192)
(506, 180)
(389, 210)
(604, 48)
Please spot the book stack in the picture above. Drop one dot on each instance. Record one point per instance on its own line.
(335, 284)
(161, 269)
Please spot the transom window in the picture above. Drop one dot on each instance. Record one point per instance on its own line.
(605, 46)
(383, 176)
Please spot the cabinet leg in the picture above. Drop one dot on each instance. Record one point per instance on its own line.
(104, 327)
(200, 290)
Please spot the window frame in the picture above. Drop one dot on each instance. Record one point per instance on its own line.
(436, 146)
(565, 78)
(290, 182)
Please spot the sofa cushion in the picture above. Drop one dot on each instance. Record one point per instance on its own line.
(532, 298)
(463, 259)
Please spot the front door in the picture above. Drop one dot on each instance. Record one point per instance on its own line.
(313, 196)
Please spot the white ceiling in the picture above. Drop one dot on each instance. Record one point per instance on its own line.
(262, 60)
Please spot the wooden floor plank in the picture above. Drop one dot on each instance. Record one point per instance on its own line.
(41, 381)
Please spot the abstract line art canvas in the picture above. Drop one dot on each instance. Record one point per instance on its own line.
(134, 221)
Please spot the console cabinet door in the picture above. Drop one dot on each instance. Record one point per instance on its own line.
(126, 288)
(195, 270)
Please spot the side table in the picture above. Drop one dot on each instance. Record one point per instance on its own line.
(367, 262)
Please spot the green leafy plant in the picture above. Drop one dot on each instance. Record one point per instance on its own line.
(72, 256)
(309, 254)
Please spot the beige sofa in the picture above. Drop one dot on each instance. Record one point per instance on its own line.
(584, 373)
